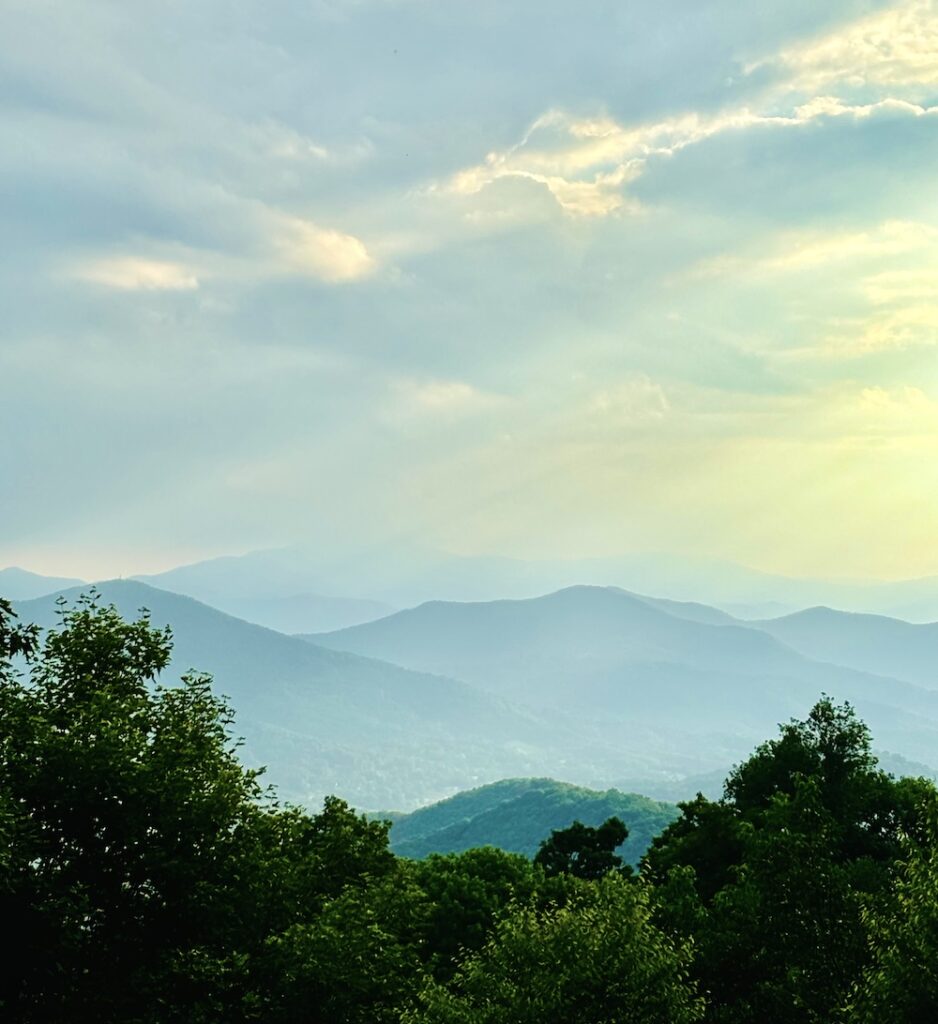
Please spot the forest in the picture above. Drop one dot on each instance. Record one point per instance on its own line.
(147, 876)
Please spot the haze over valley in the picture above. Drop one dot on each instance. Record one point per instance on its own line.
(593, 685)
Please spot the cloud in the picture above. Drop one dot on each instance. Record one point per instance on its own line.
(873, 289)
(133, 274)
(586, 163)
(900, 400)
(913, 284)
(897, 47)
(381, 312)
(323, 253)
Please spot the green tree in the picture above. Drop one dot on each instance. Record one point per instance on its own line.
(145, 869)
(900, 985)
(358, 961)
(807, 827)
(466, 893)
(584, 851)
(598, 958)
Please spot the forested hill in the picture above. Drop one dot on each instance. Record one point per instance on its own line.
(517, 814)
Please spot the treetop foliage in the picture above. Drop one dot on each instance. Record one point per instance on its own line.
(583, 851)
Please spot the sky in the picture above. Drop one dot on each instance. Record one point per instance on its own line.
(531, 279)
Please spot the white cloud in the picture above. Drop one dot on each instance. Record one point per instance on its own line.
(897, 47)
(132, 273)
(909, 284)
(586, 163)
(883, 279)
(323, 253)
(896, 400)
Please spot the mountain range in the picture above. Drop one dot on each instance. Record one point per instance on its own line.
(411, 574)
(20, 585)
(272, 589)
(596, 685)
(665, 672)
(331, 722)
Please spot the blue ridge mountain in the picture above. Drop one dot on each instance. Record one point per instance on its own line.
(613, 655)
(330, 722)
(406, 575)
(873, 643)
(269, 589)
(19, 585)
(594, 685)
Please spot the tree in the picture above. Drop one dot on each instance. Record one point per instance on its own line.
(900, 984)
(144, 866)
(598, 958)
(808, 826)
(583, 851)
(15, 640)
(466, 893)
(358, 961)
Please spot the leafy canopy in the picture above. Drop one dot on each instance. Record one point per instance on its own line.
(584, 851)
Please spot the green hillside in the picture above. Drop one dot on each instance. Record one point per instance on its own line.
(516, 814)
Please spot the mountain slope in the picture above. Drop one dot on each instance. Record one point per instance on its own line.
(270, 589)
(19, 585)
(604, 652)
(327, 721)
(517, 814)
(873, 643)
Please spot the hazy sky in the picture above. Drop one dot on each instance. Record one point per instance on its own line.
(505, 277)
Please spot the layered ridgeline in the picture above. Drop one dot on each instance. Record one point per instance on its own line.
(270, 588)
(20, 585)
(406, 575)
(684, 683)
(872, 643)
(330, 722)
(516, 815)
(596, 686)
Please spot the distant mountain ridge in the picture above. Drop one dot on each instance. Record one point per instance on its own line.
(872, 643)
(517, 814)
(410, 575)
(597, 685)
(281, 598)
(329, 722)
(19, 585)
(606, 652)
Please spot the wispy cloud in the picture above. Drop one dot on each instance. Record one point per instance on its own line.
(586, 164)
(135, 274)
(476, 289)
(900, 327)
(886, 274)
